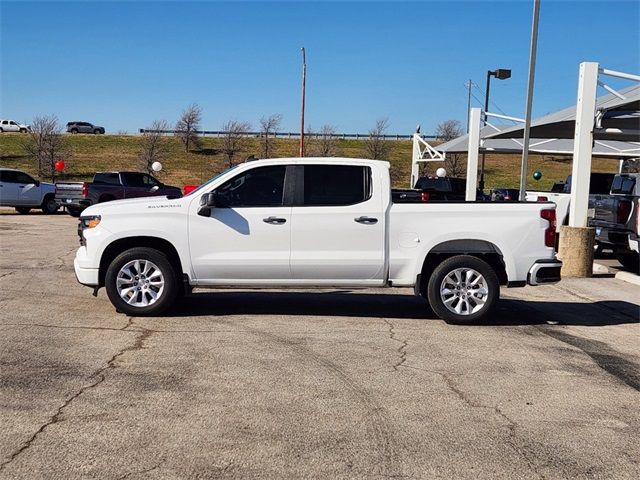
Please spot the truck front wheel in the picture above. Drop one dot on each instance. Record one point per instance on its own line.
(142, 282)
(463, 289)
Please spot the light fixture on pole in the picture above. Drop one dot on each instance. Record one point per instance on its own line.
(304, 80)
(500, 74)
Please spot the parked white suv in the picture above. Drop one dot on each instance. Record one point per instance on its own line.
(308, 223)
(23, 192)
(13, 126)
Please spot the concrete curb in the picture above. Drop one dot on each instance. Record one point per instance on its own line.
(599, 269)
(628, 277)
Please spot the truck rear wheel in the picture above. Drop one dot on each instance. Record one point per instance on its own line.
(463, 289)
(74, 212)
(141, 281)
(49, 205)
(629, 260)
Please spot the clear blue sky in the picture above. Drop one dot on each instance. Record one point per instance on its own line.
(124, 64)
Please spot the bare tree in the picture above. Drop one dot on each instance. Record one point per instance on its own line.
(377, 147)
(188, 125)
(268, 126)
(454, 163)
(46, 145)
(233, 139)
(153, 147)
(325, 143)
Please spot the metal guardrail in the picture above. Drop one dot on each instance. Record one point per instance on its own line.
(338, 136)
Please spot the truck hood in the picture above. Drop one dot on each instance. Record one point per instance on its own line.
(132, 204)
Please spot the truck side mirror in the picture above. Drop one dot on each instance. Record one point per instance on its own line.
(37, 183)
(207, 202)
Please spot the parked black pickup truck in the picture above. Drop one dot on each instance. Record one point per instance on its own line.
(107, 186)
(617, 220)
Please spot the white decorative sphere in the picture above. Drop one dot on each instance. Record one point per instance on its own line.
(156, 166)
(441, 172)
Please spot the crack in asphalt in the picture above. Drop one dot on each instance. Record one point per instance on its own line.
(98, 377)
(402, 349)
(140, 472)
(7, 274)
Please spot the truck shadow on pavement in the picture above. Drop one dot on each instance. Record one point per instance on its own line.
(342, 303)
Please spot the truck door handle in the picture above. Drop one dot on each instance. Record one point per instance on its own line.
(274, 220)
(366, 220)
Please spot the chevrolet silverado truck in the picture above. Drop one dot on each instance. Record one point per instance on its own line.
(617, 220)
(313, 223)
(107, 186)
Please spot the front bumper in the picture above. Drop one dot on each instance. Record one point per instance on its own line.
(85, 276)
(544, 271)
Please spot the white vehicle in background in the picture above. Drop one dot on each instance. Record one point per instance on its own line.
(310, 223)
(21, 191)
(560, 194)
(13, 126)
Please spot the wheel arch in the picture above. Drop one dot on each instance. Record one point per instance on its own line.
(482, 249)
(120, 245)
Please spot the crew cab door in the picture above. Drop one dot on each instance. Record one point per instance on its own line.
(28, 190)
(246, 237)
(9, 195)
(337, 226)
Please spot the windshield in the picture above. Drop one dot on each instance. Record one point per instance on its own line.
(200, 187)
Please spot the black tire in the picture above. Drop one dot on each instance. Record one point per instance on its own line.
(96, 131)
(49, 205)
(74, 131)
(23, 130)
(447, 267)
(74, 212)
(629, 260)
(23, 210)
(166, 296)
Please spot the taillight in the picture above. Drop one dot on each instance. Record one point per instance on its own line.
(549, 214)
(85, 189)
(424, 196)
(542, 199)
(624, 209)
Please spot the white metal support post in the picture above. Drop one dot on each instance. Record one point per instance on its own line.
(473, 154)
(583, 144)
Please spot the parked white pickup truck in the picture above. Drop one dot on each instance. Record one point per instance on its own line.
(310, 223)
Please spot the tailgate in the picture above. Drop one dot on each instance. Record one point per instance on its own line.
(68, 190)
(605, 209)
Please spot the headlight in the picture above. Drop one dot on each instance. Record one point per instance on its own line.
(90, 222)
(87, 222)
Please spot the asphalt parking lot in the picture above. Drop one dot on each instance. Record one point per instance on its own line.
(325, 384)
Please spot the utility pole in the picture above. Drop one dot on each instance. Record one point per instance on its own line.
(469, 84)
(304, 80)
(524, 169)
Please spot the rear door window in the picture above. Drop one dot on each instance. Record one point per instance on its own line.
(109, 178)
(335, 185)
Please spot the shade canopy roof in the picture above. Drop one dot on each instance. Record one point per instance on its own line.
(547, 146)
(616, 119)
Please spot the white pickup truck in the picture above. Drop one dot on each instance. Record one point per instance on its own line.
(309, 223)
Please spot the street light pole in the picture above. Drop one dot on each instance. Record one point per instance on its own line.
(304, 80)
(469, 85)
(500, 74)
(524, 169)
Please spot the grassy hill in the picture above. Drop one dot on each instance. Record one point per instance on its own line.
(91, 153)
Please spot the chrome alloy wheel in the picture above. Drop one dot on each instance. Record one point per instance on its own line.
(464, 291)
(140, 283)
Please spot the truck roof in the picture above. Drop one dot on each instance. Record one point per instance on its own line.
(322, 160)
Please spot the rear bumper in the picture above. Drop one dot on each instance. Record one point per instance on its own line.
(634, 243)
(73, 203)
(544, 271)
